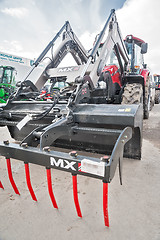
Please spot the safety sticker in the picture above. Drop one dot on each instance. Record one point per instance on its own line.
(96, 168)
(127, 109)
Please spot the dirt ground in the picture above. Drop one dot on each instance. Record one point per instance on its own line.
(134, 207)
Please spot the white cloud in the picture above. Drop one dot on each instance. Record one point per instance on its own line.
(16, 48)
(11, 46)
(141, 18)
(15, 12)
(87, 39)
(137, 17)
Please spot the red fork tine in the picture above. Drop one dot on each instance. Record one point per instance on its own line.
(75, 195)
(11, 177)
(50, 190)
(29, 182)
(105, 204)
(1, 186)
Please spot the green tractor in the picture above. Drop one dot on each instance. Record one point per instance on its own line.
(7, 82)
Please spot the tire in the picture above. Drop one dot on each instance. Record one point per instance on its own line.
(151, 104)
(133, 94)
(157, 97)
(146, 103)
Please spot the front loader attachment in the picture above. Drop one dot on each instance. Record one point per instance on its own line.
(101, 168)
(79, 117)
(89, 127)
(113, 131)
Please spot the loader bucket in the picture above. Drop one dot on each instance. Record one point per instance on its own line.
(100, 168)
(93, 127)
(113, 131)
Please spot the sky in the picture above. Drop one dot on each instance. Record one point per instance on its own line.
(28, 26)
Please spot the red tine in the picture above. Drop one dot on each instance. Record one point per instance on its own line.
(105, 204)
(11, 177)
(75, 194)
(50, 190)
(29, 182)
(1, 186)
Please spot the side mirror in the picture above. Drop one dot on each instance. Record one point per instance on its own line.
(144, 48)
(145, 66)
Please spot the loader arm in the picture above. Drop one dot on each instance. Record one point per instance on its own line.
(70, 43)
(113, 40)
(93, 68)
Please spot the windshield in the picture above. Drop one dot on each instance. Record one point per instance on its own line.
(7, 77)
(60, 85)
(1, 74)
(47, 87)
(138, 56)
(135, 56)
(157, 79)
(112, 59)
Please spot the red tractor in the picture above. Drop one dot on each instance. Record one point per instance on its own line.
(130, 85)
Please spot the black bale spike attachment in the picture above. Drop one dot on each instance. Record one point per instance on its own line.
(103, 169)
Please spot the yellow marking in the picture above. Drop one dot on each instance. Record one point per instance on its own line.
(127, 109)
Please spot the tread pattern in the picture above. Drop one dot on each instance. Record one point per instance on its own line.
(147, 99)
(132, 94)
(157, 97)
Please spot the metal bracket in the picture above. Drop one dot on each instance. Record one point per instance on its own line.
(91, 167)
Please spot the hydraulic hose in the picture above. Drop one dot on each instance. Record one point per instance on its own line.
(42, 115)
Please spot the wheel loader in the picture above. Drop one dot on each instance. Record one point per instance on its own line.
(7, 82)
(100, 111)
